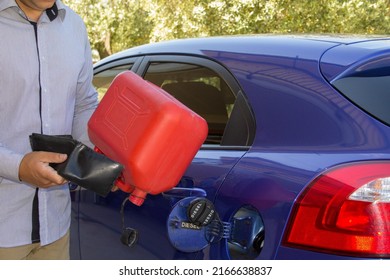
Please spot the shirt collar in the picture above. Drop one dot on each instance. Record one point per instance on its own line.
(52, 13)
(5, 4)
(61, 9)
(57, 10)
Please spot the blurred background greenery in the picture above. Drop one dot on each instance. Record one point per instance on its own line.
(114, 25)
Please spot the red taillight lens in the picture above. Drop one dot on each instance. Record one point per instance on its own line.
(346, 210)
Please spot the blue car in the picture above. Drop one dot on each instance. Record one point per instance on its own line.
(296, 164)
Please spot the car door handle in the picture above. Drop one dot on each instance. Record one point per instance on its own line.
(179, 192)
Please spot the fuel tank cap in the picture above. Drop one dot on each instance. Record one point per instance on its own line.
(183, 234)
(201, 211)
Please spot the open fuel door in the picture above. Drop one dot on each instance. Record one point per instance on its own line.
(193, 224)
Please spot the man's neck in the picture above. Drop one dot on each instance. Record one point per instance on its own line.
(32, 13)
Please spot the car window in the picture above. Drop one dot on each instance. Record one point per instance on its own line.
(368, 87)
(199, 88)
(103, 79)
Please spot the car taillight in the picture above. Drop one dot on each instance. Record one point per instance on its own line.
(344, 211)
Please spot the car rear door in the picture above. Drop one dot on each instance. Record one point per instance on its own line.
(102, 221)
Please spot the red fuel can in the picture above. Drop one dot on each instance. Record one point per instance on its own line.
(153, 135)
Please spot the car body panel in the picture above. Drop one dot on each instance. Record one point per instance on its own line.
(303, 126)
(149, 220)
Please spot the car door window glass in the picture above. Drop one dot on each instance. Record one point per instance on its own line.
(102, 80)
(199, 88)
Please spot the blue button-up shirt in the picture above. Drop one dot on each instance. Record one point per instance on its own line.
(45, 86)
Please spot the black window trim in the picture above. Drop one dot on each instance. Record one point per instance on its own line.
(133, 62)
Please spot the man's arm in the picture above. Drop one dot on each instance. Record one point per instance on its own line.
(86, 97)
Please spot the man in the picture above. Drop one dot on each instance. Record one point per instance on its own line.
(45, 87)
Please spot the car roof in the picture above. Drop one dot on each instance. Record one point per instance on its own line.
(310, 47)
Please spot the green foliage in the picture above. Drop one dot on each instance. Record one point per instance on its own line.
(114, 25)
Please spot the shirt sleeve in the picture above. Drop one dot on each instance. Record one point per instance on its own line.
(9, 164)
(86, 97)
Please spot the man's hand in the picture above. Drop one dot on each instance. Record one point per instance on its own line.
(35, 170)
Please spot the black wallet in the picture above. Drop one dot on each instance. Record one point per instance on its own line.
(84, 166)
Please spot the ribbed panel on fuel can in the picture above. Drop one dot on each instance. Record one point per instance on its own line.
(152, 134)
